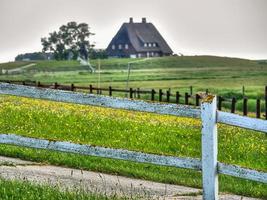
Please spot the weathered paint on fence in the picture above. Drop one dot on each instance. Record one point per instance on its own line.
(240, 172)
(98, 100)
(189, 163)
(209, 147)
(242, 121)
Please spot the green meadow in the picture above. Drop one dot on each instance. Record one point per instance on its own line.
(150, 133)
(137, 131)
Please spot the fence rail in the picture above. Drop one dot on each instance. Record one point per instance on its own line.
(208, 113)
(160, 95)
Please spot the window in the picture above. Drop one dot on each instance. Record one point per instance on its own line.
(113, 46)
(145, 44)
(149, 44)
(126, 46)
(154, 44)
(120, 46)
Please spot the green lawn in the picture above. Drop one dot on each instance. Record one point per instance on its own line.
(15, 190)
(150, 133)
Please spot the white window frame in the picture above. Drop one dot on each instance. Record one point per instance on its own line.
(126, 46)
(113, 46)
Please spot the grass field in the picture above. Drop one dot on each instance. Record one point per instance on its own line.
(220, 75)
(14, 190)
(150, 133)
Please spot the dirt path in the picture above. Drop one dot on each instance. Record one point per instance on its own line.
(67, 178)
(19, 69)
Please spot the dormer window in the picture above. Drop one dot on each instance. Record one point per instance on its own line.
(126, 46)
(149, 44)
(113, 47)
(154, 44)
(120, 46)
(145, 44)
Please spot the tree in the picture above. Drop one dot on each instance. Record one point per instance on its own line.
(71, 41)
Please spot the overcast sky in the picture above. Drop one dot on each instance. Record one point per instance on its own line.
(236, 28)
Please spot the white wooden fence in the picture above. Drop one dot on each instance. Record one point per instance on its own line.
(209, 115)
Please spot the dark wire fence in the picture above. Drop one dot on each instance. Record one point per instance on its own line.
(159, 95)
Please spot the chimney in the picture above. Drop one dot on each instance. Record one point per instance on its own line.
(131, 20)
(143, 20)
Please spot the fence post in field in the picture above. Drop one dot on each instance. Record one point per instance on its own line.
(110, 91)
(209, 148)
(266, 102)
(177, 97)
(207, 91)
(138, 93)
(72, 87)
(245, 106)
(191, 90)
(131, 93)
(153, 95)
(23, 82)
(197, 99)
(233, 105)
(220, 100)
(168, 94)
(258, 108)
(160, 94)
(55, 85)
(243, 90)
(186, 99)
(91, 89)
(38, 84)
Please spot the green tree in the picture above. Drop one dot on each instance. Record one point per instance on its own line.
(69, 42)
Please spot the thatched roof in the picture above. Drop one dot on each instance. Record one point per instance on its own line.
(140, 33)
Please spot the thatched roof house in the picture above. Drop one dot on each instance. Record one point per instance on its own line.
(138, 40)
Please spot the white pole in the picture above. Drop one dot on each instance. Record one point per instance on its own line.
(209, 148)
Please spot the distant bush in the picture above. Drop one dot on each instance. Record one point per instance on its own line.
(98, 54)
(34, 56)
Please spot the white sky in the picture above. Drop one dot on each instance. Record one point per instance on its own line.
(236, 28)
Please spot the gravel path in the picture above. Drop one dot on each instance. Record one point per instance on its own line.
(67, 178)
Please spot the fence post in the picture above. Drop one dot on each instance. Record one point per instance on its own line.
(138, 93)
(266, 102)
(186, 99)
(91, 89)
(191, 90)
(131, 93)
(110, 91)
(258, 108)
(168, 94)
(72, 87)
(197, 99)
(233, 105)
(209, 148)
(245, 106)
(153, 95)
(55, 85)
(177, 97)
(38, 84)
(220, 100)
(160, 94)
